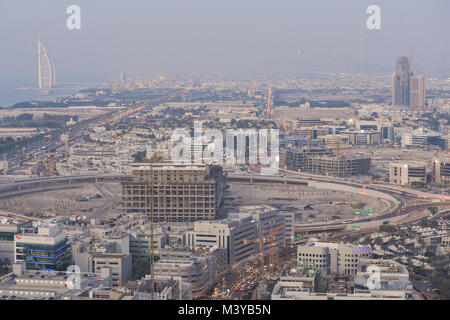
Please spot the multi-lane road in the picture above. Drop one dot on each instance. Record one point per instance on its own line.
(396, 214)
(52, 140)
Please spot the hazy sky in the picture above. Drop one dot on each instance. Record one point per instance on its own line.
(144, 37)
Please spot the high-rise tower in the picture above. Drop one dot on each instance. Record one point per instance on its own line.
(123, 79)
(417, 97)
(46, 70)
(269, 110)
(401, 82)
(361, 48)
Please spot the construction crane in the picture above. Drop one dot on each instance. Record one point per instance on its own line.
(261, 248)
(152, 277)
(153, 159)
(272, 246)
(216, 293)
(271, 240)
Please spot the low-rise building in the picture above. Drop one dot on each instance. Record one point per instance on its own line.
(293, 285)
(198, 269)
(408, 173)
(141, 244)
(373, 295)
(382, 275)
(46, 249)
(236, 235)
(165, 288)
(334, 258)
(8, 229)
(440, 171)
(363, 137)
(46, 284)
(120, 265)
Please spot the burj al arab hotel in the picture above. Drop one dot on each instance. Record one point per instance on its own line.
(46, 70)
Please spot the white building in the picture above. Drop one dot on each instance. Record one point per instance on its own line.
(198, 269)
(236, 235)
(119, 264)
(335, 258)
(166, 288)
(392, 276)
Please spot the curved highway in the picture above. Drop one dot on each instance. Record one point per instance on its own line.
(22, 186)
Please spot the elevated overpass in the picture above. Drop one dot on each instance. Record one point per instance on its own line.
(392, 189)
(383, 193)
(24, 186)
(18, 216)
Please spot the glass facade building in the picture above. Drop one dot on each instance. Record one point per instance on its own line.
(46, 249)
(45, 257)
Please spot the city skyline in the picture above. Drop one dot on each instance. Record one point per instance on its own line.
(214, 44)
(243, 152)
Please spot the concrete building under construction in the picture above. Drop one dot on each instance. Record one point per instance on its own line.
(322, 161)
(340, 166)
(174, 192)
(297, 158)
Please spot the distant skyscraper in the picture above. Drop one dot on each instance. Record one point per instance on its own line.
(269, 110)
(361, 47)
(417, 88)
(46, 70)
(401, 82)
(123, 79)
(196, 83)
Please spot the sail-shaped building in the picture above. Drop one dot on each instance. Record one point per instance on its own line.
(46, 70)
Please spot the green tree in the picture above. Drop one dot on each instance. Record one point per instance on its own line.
(378, 240)
(430, 252)
(421, 242)
(4, 265)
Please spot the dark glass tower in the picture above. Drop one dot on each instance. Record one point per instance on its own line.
(401, 83)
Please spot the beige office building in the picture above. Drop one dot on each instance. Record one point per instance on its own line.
(440, 171)
(417, 92)
(408, 173)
